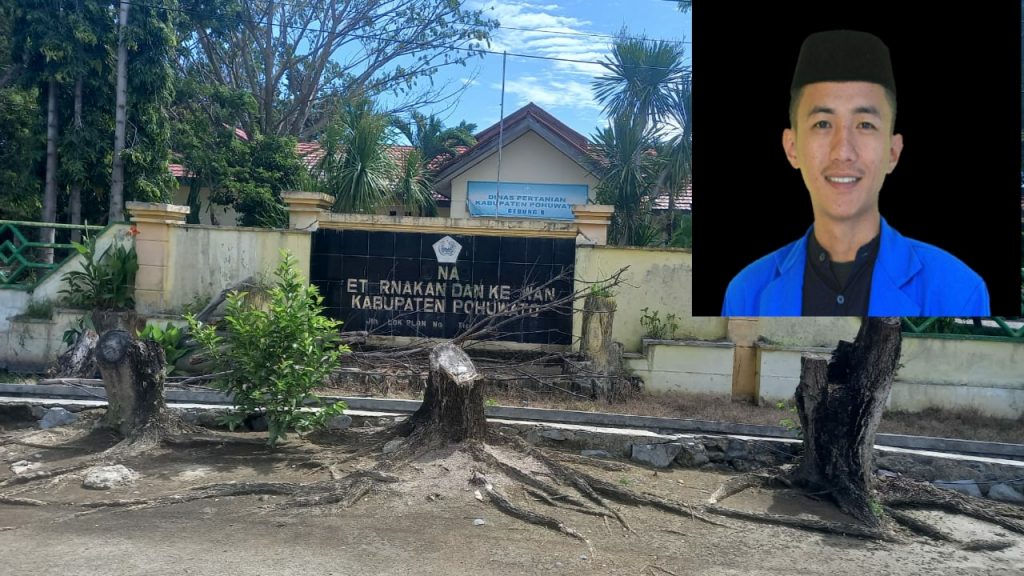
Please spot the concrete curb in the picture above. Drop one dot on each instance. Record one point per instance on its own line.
(992, 449)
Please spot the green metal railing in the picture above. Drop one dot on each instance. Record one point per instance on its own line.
(22, 264)
(945, 327)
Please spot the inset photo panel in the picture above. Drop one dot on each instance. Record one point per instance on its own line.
(861, 162)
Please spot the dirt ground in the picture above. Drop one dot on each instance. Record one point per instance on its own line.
(423, 524)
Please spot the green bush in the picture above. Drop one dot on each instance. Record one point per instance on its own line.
(656, 328)
(171, 339)
(277, 353)
(106, 281)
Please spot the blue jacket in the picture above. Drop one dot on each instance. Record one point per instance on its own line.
(911, 278)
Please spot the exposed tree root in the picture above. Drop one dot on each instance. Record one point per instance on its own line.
(485, 457)
(574, 478)
(501, 502)
(188, 440)
(986, 545)
(826, 526)
(906, 493)
(554, 503)
(595, 487)
(917, 526)
(205, 492)
(893, 494)
(16, 501)
(44, 474)
(735, 485)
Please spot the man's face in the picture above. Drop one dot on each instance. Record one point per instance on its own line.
(843, 145)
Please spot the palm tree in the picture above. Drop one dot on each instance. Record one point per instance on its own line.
(624, 154)
(641, 79)
(432, 139)
(413, 190)
(645, 91)
(356, 167)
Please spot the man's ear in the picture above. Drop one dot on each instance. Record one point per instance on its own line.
(789, 145)
(895, 149)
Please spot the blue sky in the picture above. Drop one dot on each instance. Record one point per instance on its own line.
(561, 88)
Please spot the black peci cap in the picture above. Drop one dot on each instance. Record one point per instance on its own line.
(843, 56)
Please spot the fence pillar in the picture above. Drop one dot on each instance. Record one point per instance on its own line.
(592, 221)
(153, 221)
(743, 333)
(304, 208)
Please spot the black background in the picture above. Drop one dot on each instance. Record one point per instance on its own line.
(957, 182)
(341, 254)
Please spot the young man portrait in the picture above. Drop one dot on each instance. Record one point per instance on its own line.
(851, 261)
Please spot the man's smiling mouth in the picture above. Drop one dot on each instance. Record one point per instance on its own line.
(842, 179)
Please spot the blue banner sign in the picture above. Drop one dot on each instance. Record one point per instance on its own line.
(520, 200)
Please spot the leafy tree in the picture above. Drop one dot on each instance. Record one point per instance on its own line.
(151, 43)
(275, 356)
(21, 145)
(303, 59)
(246, 172)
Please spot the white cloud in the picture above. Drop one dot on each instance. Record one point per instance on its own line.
(551, 42)
(549, 93)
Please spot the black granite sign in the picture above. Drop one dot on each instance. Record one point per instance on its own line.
(437, 285)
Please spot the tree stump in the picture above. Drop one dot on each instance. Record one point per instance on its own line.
(840, 403)
(453, 404)
(133, 376)
(605, 377)
(127, 320)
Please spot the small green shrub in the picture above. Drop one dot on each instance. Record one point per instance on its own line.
(490, 402)
(656, 328)
(171, 339)
(601, 291)
(71, 335)
(791, 424)
(40, 310)
(106, 281)
(277, 353)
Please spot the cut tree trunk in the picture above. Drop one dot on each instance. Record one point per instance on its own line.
(133, 376)
(79, 360)
(840, 403)
(105, 320)
(604, 378)
(453, 403)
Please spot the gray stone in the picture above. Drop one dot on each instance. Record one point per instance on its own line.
(595, 453)
(57, 417)
(1005, 493)
(742, 465)
(554, 434)
(392, 446)
(107, 477)
(718, 467)
(38, 411)
(692, 454)
(967, 487)
(508, 430)
(339, 423)
(200, 417)
(657, 455)
(22, 466)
